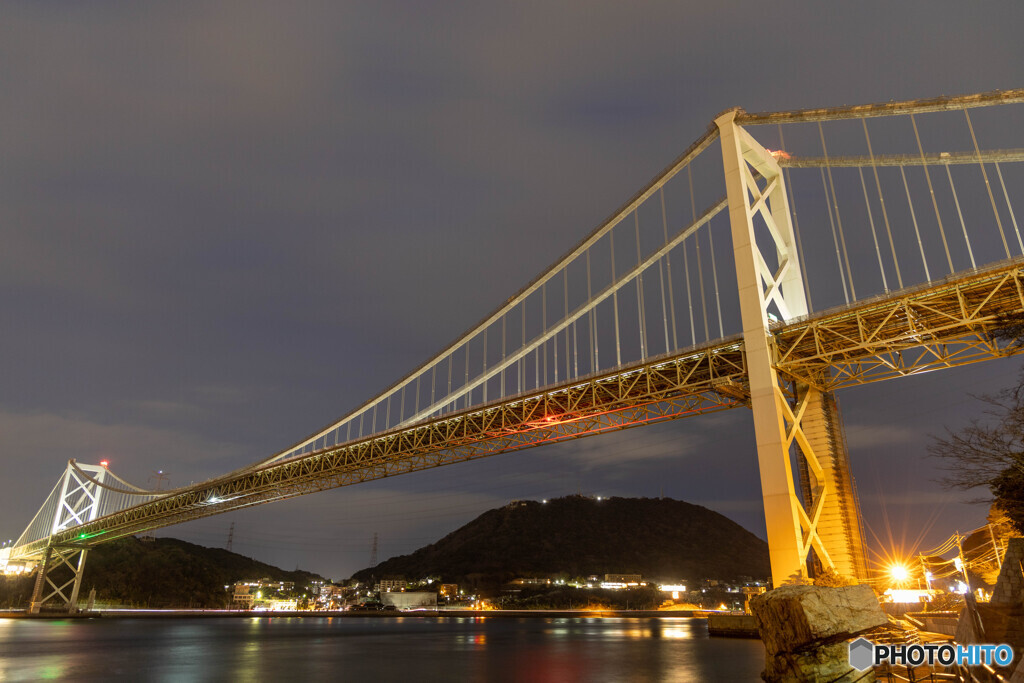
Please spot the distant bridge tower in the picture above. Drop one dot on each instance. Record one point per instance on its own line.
(373, 551)
(231, 536)
(793, 420)
(77, 500)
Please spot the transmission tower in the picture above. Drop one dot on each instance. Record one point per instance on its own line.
(160, 478)
(231, 536)
(373, 551)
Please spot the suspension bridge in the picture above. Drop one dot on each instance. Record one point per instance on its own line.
(781, 257)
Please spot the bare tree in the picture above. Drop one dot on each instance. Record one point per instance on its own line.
(989, 452)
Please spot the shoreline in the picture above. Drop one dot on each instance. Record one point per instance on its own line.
(418, 614)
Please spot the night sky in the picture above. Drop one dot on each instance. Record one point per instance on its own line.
(223, 225)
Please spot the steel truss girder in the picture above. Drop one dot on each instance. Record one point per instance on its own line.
(914, 331)
(704, 380)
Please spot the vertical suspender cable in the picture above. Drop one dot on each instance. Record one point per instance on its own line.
(668, 267)
(433, 376)
(664, 304)
(984, 173)
(401, 406)
(466, 385)
(714, 276)
(1009, 206)
(521, 372)
(544, 326)
(913, 219)
(686, 260)
(416, 406)
(361, 424)
(449, 394)
(565, 292)
(796, 225)
(871, 222)
(931, 190)
(835, 238)
(373, 423)
(501, 383)
(839, 221)
(554, 350)
(881, 200)
(615, 302)
(593, 324)
(387, 416)
(960, 213)
(700, 276)
(575, 352)
(484, 372)
(640, 292)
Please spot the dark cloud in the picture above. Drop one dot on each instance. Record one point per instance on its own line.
(224, 224)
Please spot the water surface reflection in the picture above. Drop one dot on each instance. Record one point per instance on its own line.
(379, 649)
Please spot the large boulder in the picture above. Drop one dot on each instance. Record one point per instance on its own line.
(805, 629)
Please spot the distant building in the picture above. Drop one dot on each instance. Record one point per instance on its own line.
(391, 585)
(449, 590)
(241, 597)
(531, 582)
(265, 582)
(622, 578)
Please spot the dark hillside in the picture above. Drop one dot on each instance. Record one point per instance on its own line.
(166, 572)
(581, 536)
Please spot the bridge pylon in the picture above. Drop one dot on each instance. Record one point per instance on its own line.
(78, 502)
(794, 422)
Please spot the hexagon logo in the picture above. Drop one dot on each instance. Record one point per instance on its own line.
(862, 654)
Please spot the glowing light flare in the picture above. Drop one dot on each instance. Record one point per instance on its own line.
(899, 572)
(104, 463)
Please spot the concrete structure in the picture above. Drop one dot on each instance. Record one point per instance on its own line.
(410, 599)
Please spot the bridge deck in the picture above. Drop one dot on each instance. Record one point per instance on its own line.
(953, 322)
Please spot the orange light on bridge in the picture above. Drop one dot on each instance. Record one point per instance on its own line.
(104, 463)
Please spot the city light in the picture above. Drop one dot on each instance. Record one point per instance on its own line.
(899, 573)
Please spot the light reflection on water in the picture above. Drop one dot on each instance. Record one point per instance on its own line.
(373, 648)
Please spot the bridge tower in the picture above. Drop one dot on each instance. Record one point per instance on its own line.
(809, 501)
(60, 574)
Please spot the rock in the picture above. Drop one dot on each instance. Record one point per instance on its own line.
(805, 629)
(827, 663)
(790, 618)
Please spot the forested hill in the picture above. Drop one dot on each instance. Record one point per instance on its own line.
(166, 572)
(582, 536)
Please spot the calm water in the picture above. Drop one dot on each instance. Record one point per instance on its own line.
(373, 649)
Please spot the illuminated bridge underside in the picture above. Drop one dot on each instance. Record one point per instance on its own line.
(704, 380)
(941, 326)
(944, 325)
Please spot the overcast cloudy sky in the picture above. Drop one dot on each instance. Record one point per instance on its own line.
(224, 224)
